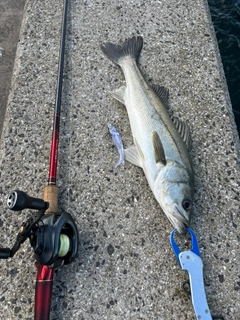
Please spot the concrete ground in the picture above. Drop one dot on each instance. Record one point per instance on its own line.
(11, 12)
(126, 268)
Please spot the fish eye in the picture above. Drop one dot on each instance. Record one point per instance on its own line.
(187, 204)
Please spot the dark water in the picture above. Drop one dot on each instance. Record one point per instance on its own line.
(226, 20)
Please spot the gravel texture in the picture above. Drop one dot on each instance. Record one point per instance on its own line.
(125, 267)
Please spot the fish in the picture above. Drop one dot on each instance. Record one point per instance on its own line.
(160, 143)
(117, 139)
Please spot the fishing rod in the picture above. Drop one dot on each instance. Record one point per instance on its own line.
(53, 235)
(44, 279)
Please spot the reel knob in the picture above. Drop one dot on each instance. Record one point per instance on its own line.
(18, 200)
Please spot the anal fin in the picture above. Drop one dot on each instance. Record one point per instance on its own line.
(141, 155)
(131, 155)
(118, 94)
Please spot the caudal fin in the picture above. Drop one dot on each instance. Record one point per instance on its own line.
(131, 47)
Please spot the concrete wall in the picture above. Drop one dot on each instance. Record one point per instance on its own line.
(126, 268)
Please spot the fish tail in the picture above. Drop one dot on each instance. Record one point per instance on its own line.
(131, 47)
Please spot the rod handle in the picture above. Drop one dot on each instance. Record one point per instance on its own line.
(43, 292)
(50, 195)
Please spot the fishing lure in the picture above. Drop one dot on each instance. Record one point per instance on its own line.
(118, 142)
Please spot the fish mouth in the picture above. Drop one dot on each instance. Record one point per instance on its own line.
(178, 220)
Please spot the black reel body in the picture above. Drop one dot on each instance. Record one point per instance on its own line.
(53, 236)
(45, 239)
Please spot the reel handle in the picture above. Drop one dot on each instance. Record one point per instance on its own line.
(18, 200)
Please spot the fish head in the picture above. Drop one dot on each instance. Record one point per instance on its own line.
(173, 190)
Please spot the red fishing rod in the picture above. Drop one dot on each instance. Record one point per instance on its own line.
(44, 281)
(52, 234)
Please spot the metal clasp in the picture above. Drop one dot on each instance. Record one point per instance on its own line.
(177, 250)
(191, 261)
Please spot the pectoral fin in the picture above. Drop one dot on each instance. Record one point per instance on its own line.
(118, 94)
(158, 150)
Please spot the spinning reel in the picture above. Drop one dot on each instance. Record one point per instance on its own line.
(53, 236)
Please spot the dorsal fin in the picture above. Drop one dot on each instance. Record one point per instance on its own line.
(162, 93)
(158, 150)
(183, 129)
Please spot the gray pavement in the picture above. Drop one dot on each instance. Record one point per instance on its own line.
(11, 12)
(126, 268)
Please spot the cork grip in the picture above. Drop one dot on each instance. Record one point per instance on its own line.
(51, 196)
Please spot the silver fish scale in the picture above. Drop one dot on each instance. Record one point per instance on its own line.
(144, 118)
